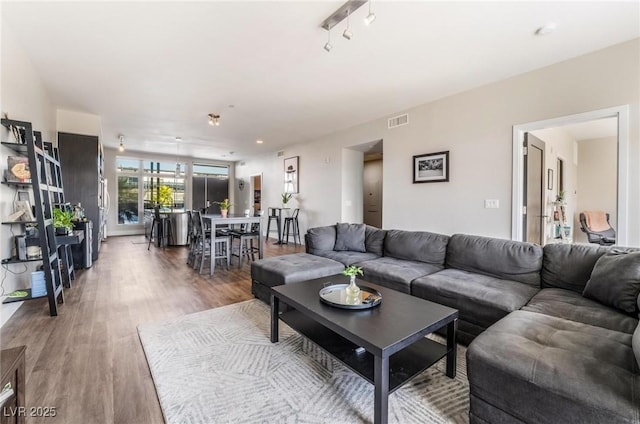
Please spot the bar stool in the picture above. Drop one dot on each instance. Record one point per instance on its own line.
(274, 213)
(292, 221)
(159, 223)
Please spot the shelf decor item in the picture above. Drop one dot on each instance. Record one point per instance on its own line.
(18, 169)
(62, 221)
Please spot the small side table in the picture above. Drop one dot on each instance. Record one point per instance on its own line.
(12, 366)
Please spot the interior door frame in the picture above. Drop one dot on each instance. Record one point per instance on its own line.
(517, 197)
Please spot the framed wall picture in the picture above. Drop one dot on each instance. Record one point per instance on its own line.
(431, 167)
(291, 175)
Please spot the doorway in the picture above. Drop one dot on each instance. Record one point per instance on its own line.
(563, 172)
(372, 185)
(256, 192)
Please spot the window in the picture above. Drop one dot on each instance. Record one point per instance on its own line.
(144, 183)
(163, 185)
(128, 212)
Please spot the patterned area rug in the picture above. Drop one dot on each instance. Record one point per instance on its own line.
(218, 366)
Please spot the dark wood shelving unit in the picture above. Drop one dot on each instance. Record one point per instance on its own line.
(16, 184)
(20, 299)
(18, 261)
(47, 190)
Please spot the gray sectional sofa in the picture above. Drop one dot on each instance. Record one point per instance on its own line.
(553, 332)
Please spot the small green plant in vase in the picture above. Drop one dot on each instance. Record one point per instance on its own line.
(286, 197)
(353, 291)
(62, 221)
(224, 207)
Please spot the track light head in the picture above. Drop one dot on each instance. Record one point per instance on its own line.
(328, 46)
(370, 18)
(347, 34)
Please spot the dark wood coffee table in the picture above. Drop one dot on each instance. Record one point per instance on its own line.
(392, 333)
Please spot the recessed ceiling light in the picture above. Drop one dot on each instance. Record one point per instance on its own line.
(546, 29)
(178, 139)
(259, 141)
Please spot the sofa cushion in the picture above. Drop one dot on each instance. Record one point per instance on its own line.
(350, 237)
(374, 240)
(293, 268)
(347, 257)
(499, 258)
(419, 246)
(320, 239)
(480, 299)
(395, 273)
(570, 305)
(635, 342)
(569, 266)
(615, 281)
(546, 369)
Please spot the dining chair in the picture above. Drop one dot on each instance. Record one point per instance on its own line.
(246, 235)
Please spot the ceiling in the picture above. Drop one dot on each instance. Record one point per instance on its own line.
(154, 70)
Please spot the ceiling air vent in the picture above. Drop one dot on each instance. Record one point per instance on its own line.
(281, 153)
(398, 121)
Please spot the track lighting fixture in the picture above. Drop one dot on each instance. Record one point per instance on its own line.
(347, 33)
(121, 147)
(214, 120)
(344, 12)
(370, 17)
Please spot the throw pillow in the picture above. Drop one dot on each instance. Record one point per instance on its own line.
(615, 281)
(350, 237)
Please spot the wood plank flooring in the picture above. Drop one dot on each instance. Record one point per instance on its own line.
(88, 362)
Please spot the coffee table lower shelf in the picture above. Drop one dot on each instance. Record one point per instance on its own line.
(403, 365)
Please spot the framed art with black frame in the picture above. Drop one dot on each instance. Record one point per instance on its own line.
(291, 175)
(431, 167)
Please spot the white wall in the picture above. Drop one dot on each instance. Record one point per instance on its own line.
(560, 144)
(476, 127)
(597, 180)
(23, 97)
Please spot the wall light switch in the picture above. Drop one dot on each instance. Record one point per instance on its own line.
(491, 204)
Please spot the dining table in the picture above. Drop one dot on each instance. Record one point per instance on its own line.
(217, 221)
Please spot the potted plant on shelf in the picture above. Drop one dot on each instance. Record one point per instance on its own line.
(62, 221)
(353, 291)
(224, 207)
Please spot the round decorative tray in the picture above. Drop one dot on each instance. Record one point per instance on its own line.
(336, 295)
